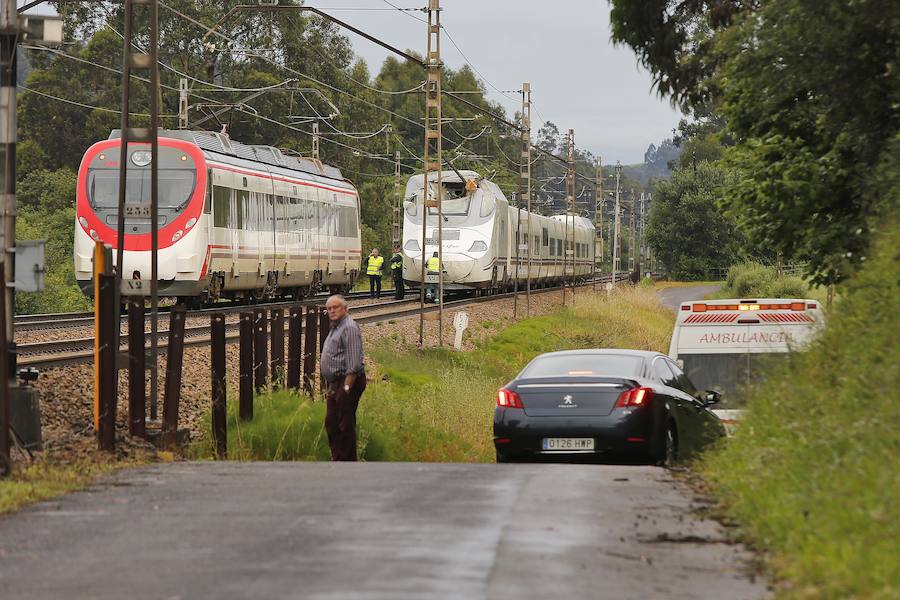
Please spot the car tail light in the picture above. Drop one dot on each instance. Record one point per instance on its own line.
(508, 399)
(638, 396)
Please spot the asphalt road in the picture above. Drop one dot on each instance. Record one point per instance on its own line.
(673, 297)
(373, 530)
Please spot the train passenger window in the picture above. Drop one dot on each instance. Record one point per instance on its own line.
(243, 201)
(559, 251)
(552, 247)
(546, 236)
(221, 206)
(536, 249)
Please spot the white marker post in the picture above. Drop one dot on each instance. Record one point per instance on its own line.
(460, 322)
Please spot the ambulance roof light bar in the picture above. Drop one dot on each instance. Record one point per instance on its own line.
(703, 307)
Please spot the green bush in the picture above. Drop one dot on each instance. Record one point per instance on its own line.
(811, 473)
(752, 279)
(788, 287)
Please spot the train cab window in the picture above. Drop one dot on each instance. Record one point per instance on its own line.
(487, 205)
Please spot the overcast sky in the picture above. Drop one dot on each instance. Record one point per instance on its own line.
(578, 79)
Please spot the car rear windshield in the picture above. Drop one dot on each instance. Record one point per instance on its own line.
(585, 365)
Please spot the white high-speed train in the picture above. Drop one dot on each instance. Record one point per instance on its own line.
(234, 220)
(486, 241)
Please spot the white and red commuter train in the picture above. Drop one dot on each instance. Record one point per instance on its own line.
(235, 220)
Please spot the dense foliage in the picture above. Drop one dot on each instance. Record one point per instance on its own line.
(686, 228)
(811, 473)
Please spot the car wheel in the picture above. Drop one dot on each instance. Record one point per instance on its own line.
(670, 446)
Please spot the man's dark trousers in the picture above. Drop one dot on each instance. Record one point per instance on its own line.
(398, 284)
(375, 286)
(340, 417)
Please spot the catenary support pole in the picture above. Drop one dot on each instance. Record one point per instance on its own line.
(9, 34)
(569, 235)
(5, 445)
(260, 342)
(598, 221)
(324, 328)
(616, 254)
(109, 375)
(309, 350)
(433, 161)
(525, 182)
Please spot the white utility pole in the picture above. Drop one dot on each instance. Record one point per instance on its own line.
(315, 140)
(396, 224)
(9, 34)
(525, 181)
(598, 220)
(617, 226)
(570, 210)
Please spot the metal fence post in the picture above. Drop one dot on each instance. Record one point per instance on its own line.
(109, 347)
(260, 364)
(309, 350)
(324, 328)
(5, 441)
(137, 374)
(295, 347)
(173, 378)
(219, 425)
(277, 364)
(245, 399)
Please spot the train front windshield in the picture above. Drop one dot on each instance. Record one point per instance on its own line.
(454, 201)
(176, 186)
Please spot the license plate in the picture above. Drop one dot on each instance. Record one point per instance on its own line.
(568, 444)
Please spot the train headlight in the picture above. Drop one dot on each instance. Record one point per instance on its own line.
(141, 158)
(191, 222)
(83, 221)
(94, 235)
(478, 246)
(177, 235)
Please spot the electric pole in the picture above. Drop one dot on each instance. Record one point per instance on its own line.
(398, 203)
(617, 227)
(525, 183)
(432, 148)
(631, 250)
(598, 220)
(570, 210)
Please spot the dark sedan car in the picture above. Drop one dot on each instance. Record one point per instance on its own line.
(603, 402)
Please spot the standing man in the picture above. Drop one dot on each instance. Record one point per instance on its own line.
(374, 265)
(342, 367)
(433, 269)
(397, 273)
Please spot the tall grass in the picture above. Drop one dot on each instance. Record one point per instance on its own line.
(437, 405)
(813, 472)
(751, 279)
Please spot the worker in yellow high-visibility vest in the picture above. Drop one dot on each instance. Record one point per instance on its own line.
(397, 273)
(433, 267)
(374, 265)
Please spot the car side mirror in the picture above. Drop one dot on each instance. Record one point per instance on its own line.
(711, 397)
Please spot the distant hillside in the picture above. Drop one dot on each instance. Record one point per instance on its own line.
(658, 163)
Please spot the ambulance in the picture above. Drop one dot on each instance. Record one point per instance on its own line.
(728, 345)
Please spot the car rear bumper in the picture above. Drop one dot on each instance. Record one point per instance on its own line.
(625, 432)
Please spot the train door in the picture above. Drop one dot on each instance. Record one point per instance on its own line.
(235, 225)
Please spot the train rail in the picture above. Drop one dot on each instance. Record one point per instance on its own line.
(79, 351)
(46, 321)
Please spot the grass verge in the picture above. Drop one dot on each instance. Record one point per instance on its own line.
(437, 405)
(811, 475)
(43, 481)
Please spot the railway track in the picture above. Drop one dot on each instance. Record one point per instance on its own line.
(79, 351)
(86, 319)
